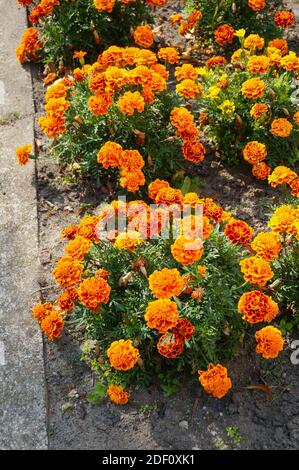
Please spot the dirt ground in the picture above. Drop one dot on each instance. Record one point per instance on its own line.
(189, 419)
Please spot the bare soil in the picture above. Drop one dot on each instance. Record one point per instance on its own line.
(189, 419)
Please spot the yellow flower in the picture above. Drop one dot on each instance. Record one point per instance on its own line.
(213, 92)
(227, 108)
(240, 33)
(203, 72)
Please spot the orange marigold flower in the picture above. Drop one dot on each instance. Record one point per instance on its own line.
(52, 126)
(57, 90)
(166, 283)
(29, 46)
(128, 240)
(179, 115)
(267, 245)
(253, 88)
(216, 61)
(93, 291)
(256, 270)
(238, 231)
(56, 107)
(290, 62)
(66, 300)
(78, 247)
(169, 196)
(104, 5)
(224, 34)
(275, 56)
(183, 121)
(187, 250)
(109, 155)
(212, 210)
(257, 307)
(254, 152)
(294, 185)
(148, 95)
(129, 102)
(169, 54)
(161, 70)
(194, 151)
(122, 354)
(284, 19)
(79, 75)
(184, 329)
(194, 18)
(156, 186)
(87, 227)
(280, 175)
(281, 127)
(261, 170)
(67, 272)
(258, 110)
(269, 342)
(258, 64)
(257, 5)
(41, 311)
(132, 180)
(254, 42)
(283, 219)
(192, 199)
(280, 44)
(296, 118)
(162, 315)
(131, 160)
(215, 380)
(100, 103)
(170, 346)
(144, 36)
(23, 154)
(117, 394)
(52, 325)
(187, 71)
(189, 89)
(69, 232)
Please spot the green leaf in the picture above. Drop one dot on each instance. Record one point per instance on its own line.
(98, 394)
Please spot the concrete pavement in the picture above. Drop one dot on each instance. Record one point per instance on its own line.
(22, 378)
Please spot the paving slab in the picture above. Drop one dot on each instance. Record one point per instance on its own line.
(23, 413)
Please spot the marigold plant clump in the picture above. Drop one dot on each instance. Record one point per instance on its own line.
(249, 104)
(151, 309)
(117, 118)
(86, 25)
(218, 23)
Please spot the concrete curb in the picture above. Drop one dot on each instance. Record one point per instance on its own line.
(23, 414)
